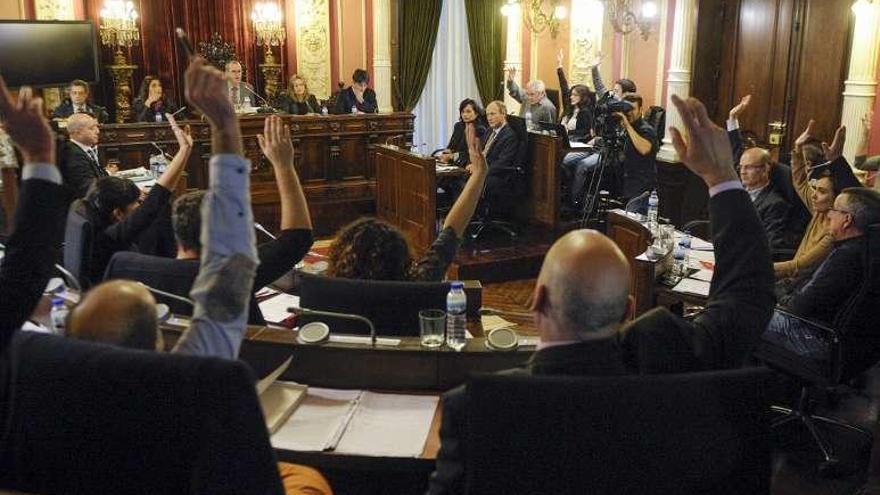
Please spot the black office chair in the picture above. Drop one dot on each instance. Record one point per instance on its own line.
(503, 188)
(79, 237)
(89, 418)
(854, 347)
(671, 434)
(392, 306)
(656, 117)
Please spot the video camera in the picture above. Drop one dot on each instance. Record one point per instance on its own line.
(607, 124)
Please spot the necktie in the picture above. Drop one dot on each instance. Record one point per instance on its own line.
(489, 143)
(234, 93)
(93, 154)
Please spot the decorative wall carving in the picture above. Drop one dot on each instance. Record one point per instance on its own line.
(313, 45)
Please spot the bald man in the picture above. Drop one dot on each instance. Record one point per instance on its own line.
(773, 210)
(80, 165)
(119, 312)
(581, 299)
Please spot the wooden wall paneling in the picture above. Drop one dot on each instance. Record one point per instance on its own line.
(386, 196)
(544, 194)
(823, 60)
(713, 19)
(417, 204)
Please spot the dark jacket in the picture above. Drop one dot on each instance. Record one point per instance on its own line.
(144, 113)
(501, 157)
(346, 99)
(65, 110)
(832, 284)
(640, 171)
(78, 169)
(458, 141)
(584, 127)
(722, 337)
(277, 257)
(774, 212)
(288, 105)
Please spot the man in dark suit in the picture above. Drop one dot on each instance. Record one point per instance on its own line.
(79, 103)
(238, 89)
(501, 150)
(581, 298)
(357, 98)
(80, 164)
(39, 217)
(772, 208)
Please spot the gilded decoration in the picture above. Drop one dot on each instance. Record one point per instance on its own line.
(313, 45)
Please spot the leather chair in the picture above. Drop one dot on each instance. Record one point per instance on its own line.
(854, 345)
(79, 236)
(89, 418)
(671, 434)
(496, 207)
(656, 116)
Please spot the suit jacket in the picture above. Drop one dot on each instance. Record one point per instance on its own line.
(346, 99)
(774, 212)
(144, 113)
(722, 337)
(277, 257)
(78, 169)
(458, 141)
(65, 110)
(288, 105)
(244, 90)
(30, 252)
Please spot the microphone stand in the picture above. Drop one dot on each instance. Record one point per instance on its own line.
(333, 314)
(168, 294)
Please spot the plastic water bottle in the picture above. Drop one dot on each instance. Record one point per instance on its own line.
(685, 245)
(679, 270)
(324, 110)
(456, 319)
(158, 117)
(246, 103)
(528, 120)
(58, 314)
(354, 109)
(653, 206)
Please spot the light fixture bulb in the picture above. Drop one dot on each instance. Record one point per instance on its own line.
(649, 10)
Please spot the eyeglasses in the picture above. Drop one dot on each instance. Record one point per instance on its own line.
(842, 212)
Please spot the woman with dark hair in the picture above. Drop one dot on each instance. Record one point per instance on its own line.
(297, 100)
(357, 98)
(457, 149)
(152, 103)
(578, 103)
(118, 214)
(370, 248)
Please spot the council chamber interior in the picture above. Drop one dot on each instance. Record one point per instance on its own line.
(439, 246)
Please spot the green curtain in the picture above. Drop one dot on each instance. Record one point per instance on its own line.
(486, 34)
(419, 20)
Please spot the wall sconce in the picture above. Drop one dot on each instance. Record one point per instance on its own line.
(119, 30)
(534, 17)
(860, 7)
(625, 20)
(269, 27)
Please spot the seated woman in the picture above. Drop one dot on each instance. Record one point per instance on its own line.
(152, 103)
(357, 98)
(119, 214)
(370, 248)
(297, 100)
(830, 178)
(457, 150)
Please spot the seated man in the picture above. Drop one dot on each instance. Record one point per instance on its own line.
(236, 88)
(534, 101)
(581, 299)
(838, 277)
(501, 150)
(79, 103)
(276, 256)
(80, 165)
(773, 209)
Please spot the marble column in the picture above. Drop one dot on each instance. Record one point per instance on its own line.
(382, 54)
(860, 87)
(678, 77)
(514, 56)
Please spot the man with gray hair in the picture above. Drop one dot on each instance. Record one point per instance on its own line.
(534, 100)
(80, 165)
(581, 299)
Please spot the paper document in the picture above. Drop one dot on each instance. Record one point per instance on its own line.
(274, 309)
(491, 322)
(389, 425)
(576, 144)
(446, 168)
(692, 286)
(701, 245)
(318, 422)
(703, 274)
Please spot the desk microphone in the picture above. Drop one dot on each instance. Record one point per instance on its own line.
(395, 137)
(71, 279)
(631, 202)
(259, 226)
(263, 100)
(345, 316)
(162, 151)
(168, 294)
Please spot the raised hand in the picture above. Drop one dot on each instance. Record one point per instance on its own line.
(206, 91)
(805, 136)
(275, 142)
(511, 73)
(560, 58)
(740, 107)
(596, 60)
(706, 152)
(478, 161)
(834, 151)
(184, 136)
(23, 121)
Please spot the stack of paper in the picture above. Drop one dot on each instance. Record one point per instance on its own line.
(692, 286)
(274, 309)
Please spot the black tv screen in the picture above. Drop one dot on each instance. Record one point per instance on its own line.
(48, 53)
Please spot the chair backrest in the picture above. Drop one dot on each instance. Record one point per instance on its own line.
(79, 237)
(799, 216)
(88, 418)
(656, 116)
(393, 307)
(553, 96)
(518, 125)
(857, 320)
(688, 433)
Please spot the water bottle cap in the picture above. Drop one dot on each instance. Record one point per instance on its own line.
(57, 301)
(457, 284)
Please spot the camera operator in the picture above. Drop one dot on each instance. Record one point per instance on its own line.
(625, 139)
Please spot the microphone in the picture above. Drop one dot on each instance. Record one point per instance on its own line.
(631, 202)
(393, 138)
(345, 316)
(259, 226)
(178, 111)
(168, 294)
(166, 155)
(71, 279)
(263, 100)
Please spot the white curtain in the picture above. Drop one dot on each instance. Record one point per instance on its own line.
(450, 80)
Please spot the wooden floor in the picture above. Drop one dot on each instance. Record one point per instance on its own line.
(795, 459)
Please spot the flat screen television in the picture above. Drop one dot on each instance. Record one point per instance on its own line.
(48, 53)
